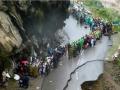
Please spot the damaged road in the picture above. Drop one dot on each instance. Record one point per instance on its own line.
(57, 79)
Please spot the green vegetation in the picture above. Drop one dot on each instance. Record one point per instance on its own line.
(98, 10)
(118, 62)
(116, 28)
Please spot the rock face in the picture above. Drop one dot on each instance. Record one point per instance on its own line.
(9, 35)
(22, 20)
(9, 30)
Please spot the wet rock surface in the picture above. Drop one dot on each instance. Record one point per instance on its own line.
(35, 19)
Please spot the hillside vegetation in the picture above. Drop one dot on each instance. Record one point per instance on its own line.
(106, 13)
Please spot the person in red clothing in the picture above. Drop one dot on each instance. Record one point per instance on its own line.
(85, 42)
(89, 40)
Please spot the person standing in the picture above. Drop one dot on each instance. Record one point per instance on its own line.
(109, 30)
(92, 42)
(69, 51)
(5, 77)
(25, 81)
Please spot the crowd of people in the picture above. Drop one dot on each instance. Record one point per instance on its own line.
(97, 26)
(83, 43)
(44, 65)
(51, 60)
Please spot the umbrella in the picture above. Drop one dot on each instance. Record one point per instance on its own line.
(24, 62)
(16, 77)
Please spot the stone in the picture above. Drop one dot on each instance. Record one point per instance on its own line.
(9, 35)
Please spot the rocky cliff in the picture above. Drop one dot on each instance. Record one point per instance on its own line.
(9, 35)
(22, 21)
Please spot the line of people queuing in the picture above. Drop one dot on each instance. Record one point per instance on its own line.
(46, 64)
(84, 16)
(83, 43)
(97, 26)
(51, 61)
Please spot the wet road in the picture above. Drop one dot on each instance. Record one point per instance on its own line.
(88, 72)
(72, 30)
(57, 79)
